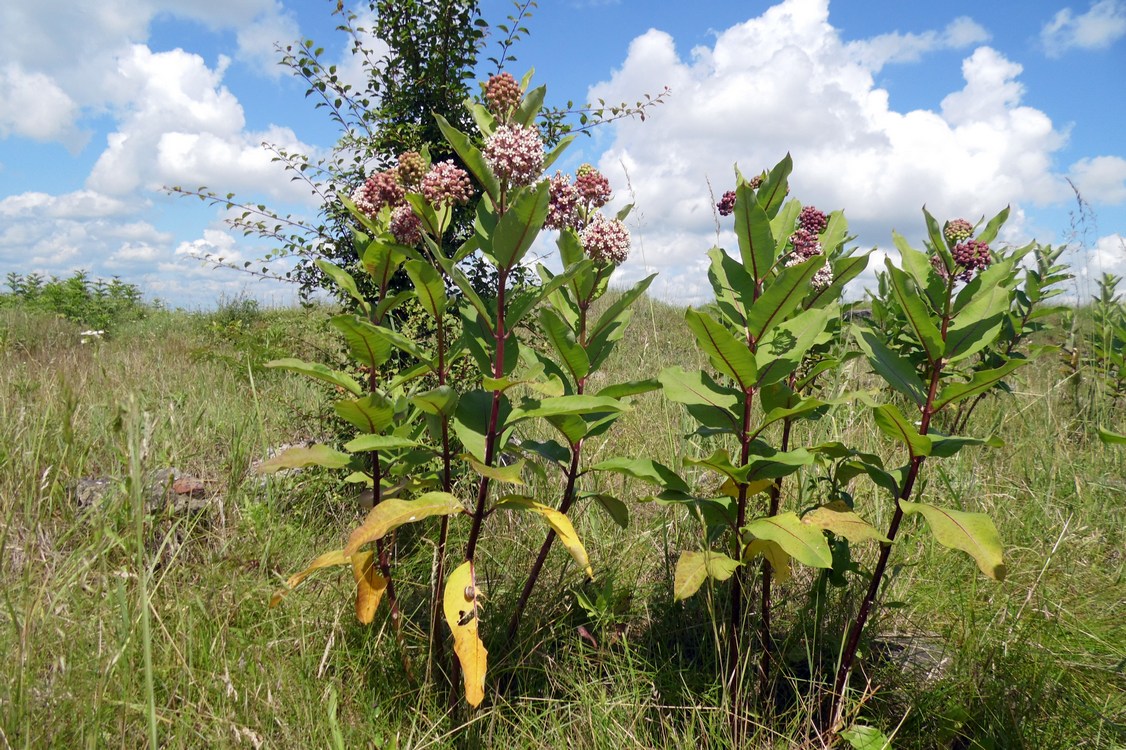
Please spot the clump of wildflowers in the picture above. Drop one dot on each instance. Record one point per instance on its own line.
(405, 226)
(605, 240)
(957, 230)
(515, 154)
(379, 190)
(412, 168)
(446, 184)
(563, 210)
(823, 278)
(592, 186)
(726, 205)
(813, 220)
(806, 245)
(503, 94)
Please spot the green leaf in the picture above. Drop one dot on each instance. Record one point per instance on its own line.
(366, 343)
(844, 270)
(429, 288)
(782, 349)
(893, 424)
(471, 420)
(1111, 438)
(318, 371)
(945, 446)
(728, 354)
(803, 542)
(373, 413)
(518, 228)
(989, 233)
(896, 371)
(865, 738)
(629, 388)
(471, 156)
(981, 381)
(752, 227)
(441, 401)
(918, 266)
(563, 339)
(559, 523)
(615, 508)
(720, 462)
(917, 312)
(644, 469)
(973, 533)
(343, 280)
(778, 300)
(368, 443)
(575, 405)
(693, 568)
(711, 404)
(772, 193)
(732, 285)
(393, 513)
(619, 306)
(978, 323)
(297, 458)
(510, 474)
(843, 522)
(381, 260)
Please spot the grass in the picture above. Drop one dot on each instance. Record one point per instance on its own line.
(1034, 662)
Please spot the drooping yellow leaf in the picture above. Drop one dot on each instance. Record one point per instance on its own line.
(694, 567)
(390, 514)
(509, 474)
(779, 560)
(328, 559)
(843, 522)
(299, 457)
(973, 533)
(461, 602)
(370, 585)
(559, 523)
(731, 489)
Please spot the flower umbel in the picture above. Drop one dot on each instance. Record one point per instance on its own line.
(957, 230)
(503, 94)
(605, 240)
(446, 184)
(812, 220)
(592, 186)
(563, 211)
(405, 226)
(515, 154)
(726, 205)
(806, 245)
(379, 190)
(412, 168)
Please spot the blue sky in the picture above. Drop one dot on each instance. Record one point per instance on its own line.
(885, 105)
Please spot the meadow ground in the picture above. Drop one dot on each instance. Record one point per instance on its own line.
(109, 600)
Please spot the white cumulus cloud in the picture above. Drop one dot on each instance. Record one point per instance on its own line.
(1102, 25)
(1101, 179)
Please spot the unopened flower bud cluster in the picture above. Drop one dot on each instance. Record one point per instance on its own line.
(970, 256)
(443, 184)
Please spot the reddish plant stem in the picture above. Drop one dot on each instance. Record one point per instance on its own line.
(852, 644)
(437, 639)
(739, 580)
(766, 641)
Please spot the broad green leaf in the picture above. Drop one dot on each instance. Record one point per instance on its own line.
(896, 371)
(461, 604)
(981, 381)
(729, 355)
(844, 270)
(370, 585)
(381, 260)
(373, 413)
(917, 312)
(1111, 438)
(767, 463)
(440, 401)
(720, 462)
(471, 156)
(973, 533)
(945, 446)
(710, 403)
(693, 568)
(393, 513)
(408, 345)
(518, 228)
(471, 420)
(367, 344)
(530, 105)
(918, 267)
(978, 323)
(429, 288)
(989, 233)
(644, 469)
(320, 372)
(893, 424)
(781, 350)
(367, 443)
(510, 474)
(615, 508)
(345, 281)
(843, 522)
(328, 559)
(629, 388)
(565, 405)
(458, 277)
(806, 544)
(782, 296)
(752, 226)
(733, 286)
(865, 738)
(563, 339)
(559, 523)
(772, 193)
(785, 221)
(774, 554)
(297, 458)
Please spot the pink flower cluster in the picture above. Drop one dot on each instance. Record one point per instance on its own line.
(605, 240)
(813, 220)
(823, 278)
(443, 184)
(515, 154)
(563, 211)
(806, 245)
(503, 93)
(726, 205)
(592, 186)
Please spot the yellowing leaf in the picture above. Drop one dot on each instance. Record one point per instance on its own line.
(973, 533)
(559, 523)
(731, 489)
(779, 560)
(328, 559)
(509, 474)
(370, 585)
(804, 543)
(460, 604)
(390, 514)
(298, 457)
(694, 567)
(843, 522)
